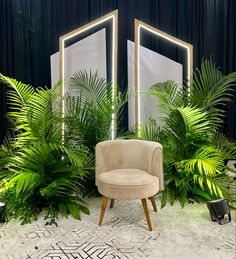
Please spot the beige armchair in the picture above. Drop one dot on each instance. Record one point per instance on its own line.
(129, 170)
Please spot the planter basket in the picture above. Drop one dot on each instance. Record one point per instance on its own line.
(218, 209)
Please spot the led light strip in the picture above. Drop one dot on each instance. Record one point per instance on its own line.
(114, 17)
(185, 45)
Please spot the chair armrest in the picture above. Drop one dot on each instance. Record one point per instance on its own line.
(157, 165)
(100, 161)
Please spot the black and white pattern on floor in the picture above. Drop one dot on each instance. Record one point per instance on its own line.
(177, 233)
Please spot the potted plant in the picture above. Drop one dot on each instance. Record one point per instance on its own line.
(194, 147)
(40, 172)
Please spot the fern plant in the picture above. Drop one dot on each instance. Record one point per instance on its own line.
(194, 148)
(41, 172)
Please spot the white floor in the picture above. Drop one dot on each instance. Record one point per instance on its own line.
(178, 233)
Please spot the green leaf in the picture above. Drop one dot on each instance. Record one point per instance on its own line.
(26, 182)
(163, 198)
(63, 209)
(172, 195)
(84, 209)
(183, 195)
(73, 209)
(202, 194)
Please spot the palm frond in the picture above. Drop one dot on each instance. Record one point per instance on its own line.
(60, 187)
(227, 148)
(207, 161)
(94, 88)
(210, 88)
(206, 183)
(187, 123)
(169, 94)
(19, 94)
(25, 183)
(40, 115)
(150, 131)
(94, 104)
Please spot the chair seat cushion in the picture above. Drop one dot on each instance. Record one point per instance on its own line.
(127, 184)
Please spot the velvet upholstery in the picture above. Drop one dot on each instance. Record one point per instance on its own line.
(129, 169)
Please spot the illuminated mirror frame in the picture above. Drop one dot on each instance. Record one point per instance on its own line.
(188, 47)
(110, 16)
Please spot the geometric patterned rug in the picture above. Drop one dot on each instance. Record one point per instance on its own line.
(177, 233)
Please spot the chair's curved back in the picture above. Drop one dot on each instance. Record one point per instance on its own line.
(138, 154)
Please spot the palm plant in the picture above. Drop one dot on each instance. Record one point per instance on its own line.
(41, 172)
(194, 149)
(91, 108)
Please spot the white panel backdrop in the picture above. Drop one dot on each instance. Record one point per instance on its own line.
(154, 68)
(86, 54)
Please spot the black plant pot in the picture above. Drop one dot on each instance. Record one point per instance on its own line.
(218, 209)
(2, 209)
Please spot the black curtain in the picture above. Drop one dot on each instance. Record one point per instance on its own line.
(30, 32)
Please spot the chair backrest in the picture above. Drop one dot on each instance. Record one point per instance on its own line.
(137, 154)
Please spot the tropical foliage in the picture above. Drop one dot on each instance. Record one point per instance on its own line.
(194, 148)
(38, 171)
(42, 168)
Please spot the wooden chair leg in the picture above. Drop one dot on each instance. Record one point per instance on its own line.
(112, 203)
(152, 199)
(145, 208)
(103, 209)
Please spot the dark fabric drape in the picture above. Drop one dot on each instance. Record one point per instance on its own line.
(30, 32)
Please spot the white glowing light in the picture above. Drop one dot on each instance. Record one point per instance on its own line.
(113, 133)
(167, 37)
(173, 40)
(138, 87)
(76, 33)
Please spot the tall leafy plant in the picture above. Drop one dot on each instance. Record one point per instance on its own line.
(194, 148)
(95, 102)
(39, 172)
